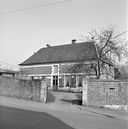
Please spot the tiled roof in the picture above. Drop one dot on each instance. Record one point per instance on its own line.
(64, 53)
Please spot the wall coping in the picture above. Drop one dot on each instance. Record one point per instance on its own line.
(105, 80)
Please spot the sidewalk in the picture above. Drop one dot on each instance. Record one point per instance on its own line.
(38, 106)
(111, 113)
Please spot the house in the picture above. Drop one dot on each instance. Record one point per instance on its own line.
(64, 65)
(7, 73)
(9, 70)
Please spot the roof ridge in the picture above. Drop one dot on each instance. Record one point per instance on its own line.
(67, 44)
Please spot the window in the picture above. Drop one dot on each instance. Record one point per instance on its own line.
(55, 80)
(55, 69)
(67, 80)
(80, 80)
(61, 81)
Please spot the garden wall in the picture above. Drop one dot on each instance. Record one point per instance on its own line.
(26, 89)
(108, 93)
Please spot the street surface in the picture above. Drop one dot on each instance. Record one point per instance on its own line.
(11, 118)
(22, 114)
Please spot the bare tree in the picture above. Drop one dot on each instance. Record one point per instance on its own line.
(110, 47)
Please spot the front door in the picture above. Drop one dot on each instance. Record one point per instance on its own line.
(55, 82)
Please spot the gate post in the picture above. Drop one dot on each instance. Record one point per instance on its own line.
(85, 91)
(44, 90)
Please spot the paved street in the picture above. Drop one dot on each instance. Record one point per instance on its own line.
(11, 118)
(36, 115)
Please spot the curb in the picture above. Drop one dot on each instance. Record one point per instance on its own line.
(107, 112)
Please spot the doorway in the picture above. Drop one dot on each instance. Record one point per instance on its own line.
(55, 82)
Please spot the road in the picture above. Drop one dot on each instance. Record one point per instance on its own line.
(11, 118)
(21, 114)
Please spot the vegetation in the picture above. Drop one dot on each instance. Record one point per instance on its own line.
(110, 47)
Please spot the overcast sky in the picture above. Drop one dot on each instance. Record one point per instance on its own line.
(25, 32)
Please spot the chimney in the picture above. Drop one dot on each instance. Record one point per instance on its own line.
(73, 41)
(47, 45)
(92, 39)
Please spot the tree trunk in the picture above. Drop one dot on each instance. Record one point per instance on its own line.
(98, 70)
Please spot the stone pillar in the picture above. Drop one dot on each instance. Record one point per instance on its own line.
(85, 91)
(44, 90)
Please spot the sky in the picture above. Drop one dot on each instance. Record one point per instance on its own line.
(54, 22)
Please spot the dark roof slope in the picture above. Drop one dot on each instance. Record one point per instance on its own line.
(64, 53)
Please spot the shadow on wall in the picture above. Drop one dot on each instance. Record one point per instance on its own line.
(69, 98)
(77, 99)
(79, 96)
(77, 102)
(50, 97)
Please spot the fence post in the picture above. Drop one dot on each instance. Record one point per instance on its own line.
(43, 95)
(85, 91)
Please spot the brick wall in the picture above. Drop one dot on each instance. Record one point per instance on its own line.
(26, 89)
(75, 68)
(37, 70)
(105, 92)
(65, 68)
